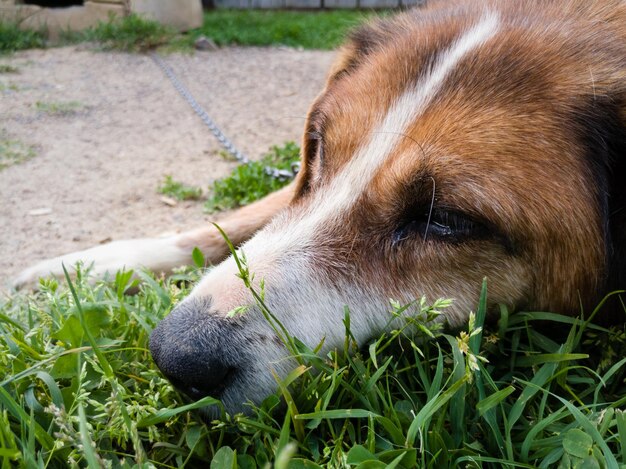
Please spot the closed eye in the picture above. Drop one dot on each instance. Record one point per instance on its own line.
(440, 225)
(314, 157)
(316, 142)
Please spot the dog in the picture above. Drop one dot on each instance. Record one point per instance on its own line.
(461, 140)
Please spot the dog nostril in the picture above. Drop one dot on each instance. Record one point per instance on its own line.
(201, 382)
(185, 346)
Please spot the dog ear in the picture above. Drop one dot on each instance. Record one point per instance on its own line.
(607, 146)
(617, 208)
(361, 42)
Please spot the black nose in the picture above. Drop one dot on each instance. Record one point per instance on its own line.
(188, 348)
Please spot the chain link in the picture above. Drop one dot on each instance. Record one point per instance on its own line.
(281, 174)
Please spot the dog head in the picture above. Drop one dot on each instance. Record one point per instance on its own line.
(447, 146)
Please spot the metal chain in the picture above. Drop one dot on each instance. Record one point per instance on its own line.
(281, 174)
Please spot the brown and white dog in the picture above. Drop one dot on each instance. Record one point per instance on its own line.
(457, 141)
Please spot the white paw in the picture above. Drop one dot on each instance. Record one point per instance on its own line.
(157, 254)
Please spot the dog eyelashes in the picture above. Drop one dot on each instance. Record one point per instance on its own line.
(440, 225)
(315, 153)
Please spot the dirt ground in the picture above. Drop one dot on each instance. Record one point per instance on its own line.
(104, 129)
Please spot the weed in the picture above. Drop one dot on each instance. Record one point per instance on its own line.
(13, 38)
(178, 190)
(70, 37)
(14, 152)
(8, 87)
(132, 33)
(5, 68)
(250, 182)
(66, 108)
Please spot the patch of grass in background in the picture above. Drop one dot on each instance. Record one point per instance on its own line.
(13, 151)
(68, 37)
(310, 30)
(12, 38)
(249, 182)
(77, 384)
(59, 108)
(130, 34)
(5, 68)
(245, 184)
(178, 190)
(9, 87)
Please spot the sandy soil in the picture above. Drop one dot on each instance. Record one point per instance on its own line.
(96, 166)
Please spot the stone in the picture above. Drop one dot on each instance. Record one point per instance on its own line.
(205, 43)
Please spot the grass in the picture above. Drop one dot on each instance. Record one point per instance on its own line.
(8, 87)
(12, 38)
(309, 30)
(5, 68)
(77, 386)
(250, 182)
(245, 184)
(178, 190)
(13, 152)
(130, 34)
(59, 108)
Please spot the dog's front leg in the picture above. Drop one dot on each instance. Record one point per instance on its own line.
(165, 254)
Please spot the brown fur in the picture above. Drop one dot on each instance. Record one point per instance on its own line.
(499, 141)
(507, 140)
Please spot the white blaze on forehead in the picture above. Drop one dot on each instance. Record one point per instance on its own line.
(357, 174)
(355, 177)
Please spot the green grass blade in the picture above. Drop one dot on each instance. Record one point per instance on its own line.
(607, 376)
(457, 402)
(500, 463)
(540, 359)
(338, 414)
(430, 409)
(104, 363)
(540, 426)
(7, 402)
(481, 315)
(291, 405)
(285, 432)
(620, 418)
(545, 373)
(53, 387)
(493, 400)
(164, 415)
(89, 452)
